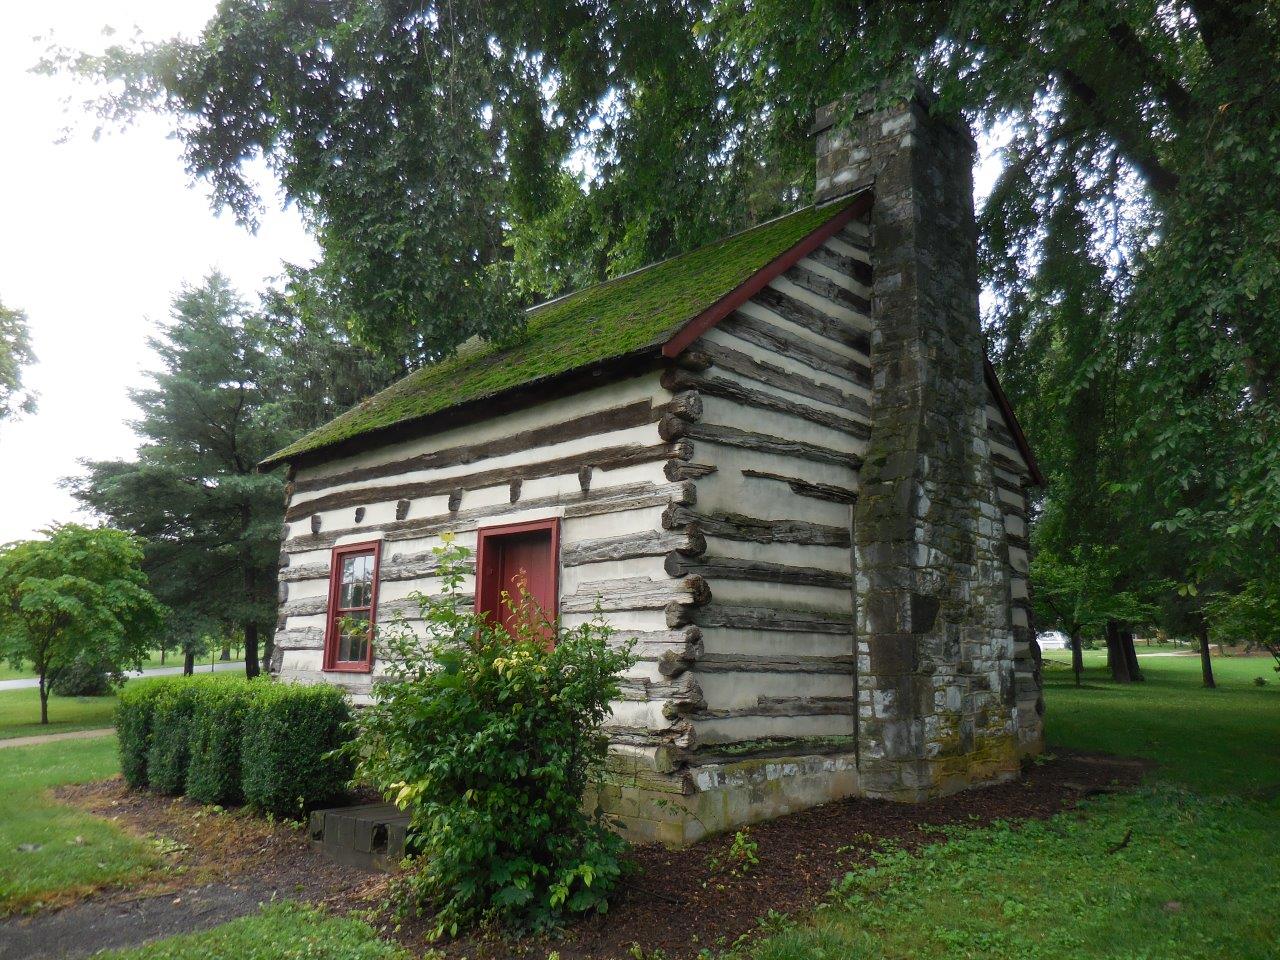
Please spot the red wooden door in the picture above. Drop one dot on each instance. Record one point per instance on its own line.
(509, 554)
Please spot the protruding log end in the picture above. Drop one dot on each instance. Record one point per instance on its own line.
(455, 500)
(360, 511)
(515, 489)
(584, 479)
(694, 359)
(315, 523)
(671, 428)
(402, 509)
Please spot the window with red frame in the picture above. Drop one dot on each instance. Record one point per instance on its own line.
(506, 554)
(353, 601)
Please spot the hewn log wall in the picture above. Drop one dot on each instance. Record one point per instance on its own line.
(784, 417)
(598, 460)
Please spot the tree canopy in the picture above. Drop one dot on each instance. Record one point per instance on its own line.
(78, 591)
(15, 354)
(456, 159)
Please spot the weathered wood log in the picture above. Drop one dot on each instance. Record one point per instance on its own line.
(648, 543)
(733, 526)
(686, 405)
(631, 496)
(695, 358)
(819, 285)
(756, 663)
(653, 645)
(360, 514)
(837, 329)
(806, 488)
(282, 591)
(743, 617)
(515, 489)
(679, 470)
(624, 417)
(775, 339)
(772, 375)
(731, 568)
(402, 509)
(406, 608)
(315, 522)
(762, 443)
(785, 707)
(732, 390)
(285, 559)
(859, 270)
(610, 458)
(636, 593)
(300, 638)
(416, 566)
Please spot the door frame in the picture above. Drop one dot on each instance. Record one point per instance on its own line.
(484, 547)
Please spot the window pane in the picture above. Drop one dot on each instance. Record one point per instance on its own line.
(353, 639)
(356, 585)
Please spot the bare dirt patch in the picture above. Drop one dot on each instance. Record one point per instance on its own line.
(682, 901)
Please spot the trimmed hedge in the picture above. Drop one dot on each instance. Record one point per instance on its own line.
(225, 739)
(217, 727)
(133, 729)
(287, 757)
(170, 750)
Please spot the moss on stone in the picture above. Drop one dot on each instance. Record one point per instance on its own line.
(610, 320)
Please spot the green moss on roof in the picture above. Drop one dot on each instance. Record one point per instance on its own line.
(622, 316)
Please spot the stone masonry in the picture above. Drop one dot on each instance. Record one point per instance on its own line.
(935, 647)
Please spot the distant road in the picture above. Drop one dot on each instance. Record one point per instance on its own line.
(221, 666)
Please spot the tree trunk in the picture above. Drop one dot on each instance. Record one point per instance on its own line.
(1131, 655)
(251, 665)
(226, 650)
(1206, 663)
(164, 648)
(1077, 655)
(1116, 658)
(44, 701)
(188, 663)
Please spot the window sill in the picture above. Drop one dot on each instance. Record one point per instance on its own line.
(348, 668)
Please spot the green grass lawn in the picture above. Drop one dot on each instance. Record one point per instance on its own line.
(20, 713)
(47, 847)
(10, 672)
(1197, 878)
(281, 932)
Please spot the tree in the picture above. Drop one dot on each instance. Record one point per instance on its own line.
(15, 353)
(235, 385)
(1077, 595)
(210, 521)
(79, 591)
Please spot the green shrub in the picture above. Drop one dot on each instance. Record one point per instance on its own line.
(85, 676)
(170, 751)
(217, 721)
(287, 758)
(133, 729)
(491, 740)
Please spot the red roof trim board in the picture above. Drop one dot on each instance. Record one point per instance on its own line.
(735, 298)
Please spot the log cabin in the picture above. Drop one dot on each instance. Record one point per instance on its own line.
(781, 464)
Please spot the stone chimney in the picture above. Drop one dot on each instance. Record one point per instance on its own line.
(934, 632)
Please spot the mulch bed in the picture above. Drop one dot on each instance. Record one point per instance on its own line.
(677, 901)
(679, 904)
(202, 846)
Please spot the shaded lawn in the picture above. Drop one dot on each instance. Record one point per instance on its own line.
(1184, 868)
(20, 713)
(281, 932)
(48, 848)
(1216, 741)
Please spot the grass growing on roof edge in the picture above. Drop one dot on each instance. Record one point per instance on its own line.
(612, 319)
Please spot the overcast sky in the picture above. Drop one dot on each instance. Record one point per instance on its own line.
(94, 239)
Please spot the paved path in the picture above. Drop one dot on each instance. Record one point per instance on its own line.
(55, 737)
(26, 683)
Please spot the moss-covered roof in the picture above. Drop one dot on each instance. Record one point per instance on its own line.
(639, 310)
